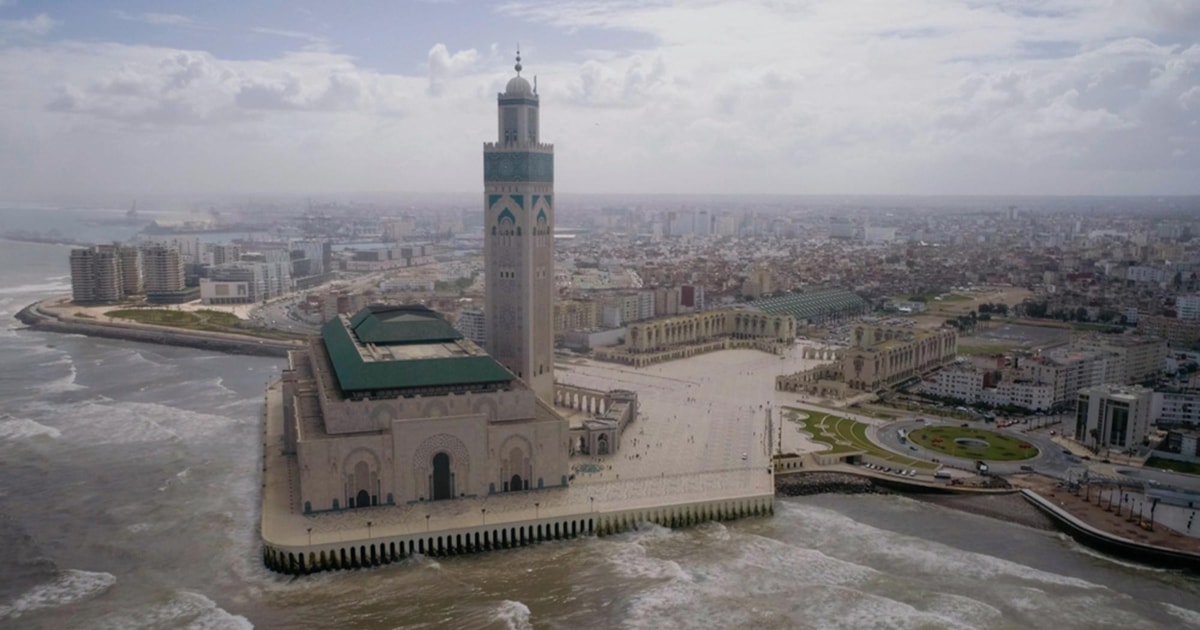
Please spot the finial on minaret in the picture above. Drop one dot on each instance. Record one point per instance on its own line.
(518, 66)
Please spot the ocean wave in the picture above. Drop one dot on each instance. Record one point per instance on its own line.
(185, 609)
(69, 587)
(1088, 551)
(916, 554)
(101, 420)
(45, 287)
(513, 615)
(14, 429)
(1189, 617)
(62, 384)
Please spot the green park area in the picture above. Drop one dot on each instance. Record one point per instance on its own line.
(192, 320)
(843, 435)
(1163, 463)
(970, 443)
(983, 349)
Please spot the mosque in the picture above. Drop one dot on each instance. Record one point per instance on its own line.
(392, 405)
(391, 414)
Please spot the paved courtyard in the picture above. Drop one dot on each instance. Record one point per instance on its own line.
(701, 435)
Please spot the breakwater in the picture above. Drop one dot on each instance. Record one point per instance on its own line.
(803, 484)
(41, 319)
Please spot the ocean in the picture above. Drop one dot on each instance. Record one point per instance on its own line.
(129, 478)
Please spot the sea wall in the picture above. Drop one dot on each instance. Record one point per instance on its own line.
(1110, 543)
(303, 559)
(41, 319)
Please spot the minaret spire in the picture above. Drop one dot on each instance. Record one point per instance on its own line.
(518, 66)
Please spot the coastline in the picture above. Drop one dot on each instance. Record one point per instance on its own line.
(38, 318)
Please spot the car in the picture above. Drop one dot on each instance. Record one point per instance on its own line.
(912, 448)
(1066, 452)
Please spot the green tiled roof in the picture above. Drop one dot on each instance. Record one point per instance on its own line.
(402, 326)
(811, 305)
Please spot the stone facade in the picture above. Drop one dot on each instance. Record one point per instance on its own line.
(518, 242)
(418, 445)
(683, 336)
(880, 357)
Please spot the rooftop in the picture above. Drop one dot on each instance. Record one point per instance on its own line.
(808, 305)
(404, 347)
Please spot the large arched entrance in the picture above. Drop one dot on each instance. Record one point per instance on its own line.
(442, 485)
(602, 445)
(362, 499)
(515, 483)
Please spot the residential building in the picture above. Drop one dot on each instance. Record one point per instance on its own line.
(1176, 409)
(1132, 358)
(162, 273)
(472, 324)
(1067, 371)
(96, 276)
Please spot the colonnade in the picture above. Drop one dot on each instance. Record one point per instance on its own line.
(370, 553)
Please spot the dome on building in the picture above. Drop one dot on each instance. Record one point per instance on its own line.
(518, 85)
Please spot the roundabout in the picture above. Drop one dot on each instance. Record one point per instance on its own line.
(972, 443)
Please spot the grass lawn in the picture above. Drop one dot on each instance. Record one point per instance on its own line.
(992, 446)
(197, 320)
(969, 350)
(1170, 464)
(843, 435)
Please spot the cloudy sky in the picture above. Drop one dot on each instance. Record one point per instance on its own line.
(767, 96)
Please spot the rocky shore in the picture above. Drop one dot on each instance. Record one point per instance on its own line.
(803, 484)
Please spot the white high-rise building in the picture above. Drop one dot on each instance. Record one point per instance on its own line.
(1113, 416)
(518, 246)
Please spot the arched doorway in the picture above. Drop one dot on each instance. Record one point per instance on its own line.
(515, 484)
(602, 445)
(362, 499)
(442, 486)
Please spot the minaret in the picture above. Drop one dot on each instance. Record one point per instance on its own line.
(518, 243)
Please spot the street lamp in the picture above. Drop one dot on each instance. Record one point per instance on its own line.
(593, 500)
(426, 523)
(537, 509)
(310, 536)
(483, 514)
(368, 530)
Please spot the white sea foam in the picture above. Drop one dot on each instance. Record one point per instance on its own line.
(514, 615)
(1189, 617)
(69, 587)
(917, 554)
(101, 420)
(15, 429)
(64, 383)
(185, 609)
(45, 287)
(1088, 551)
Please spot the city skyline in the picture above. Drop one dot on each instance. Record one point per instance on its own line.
(934, 97)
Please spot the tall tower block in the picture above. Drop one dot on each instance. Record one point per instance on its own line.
(518, 243)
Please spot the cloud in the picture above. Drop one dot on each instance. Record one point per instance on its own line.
(37, 25)
(760, 96)
(444, 66)
(313, 42)
(163, 19)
